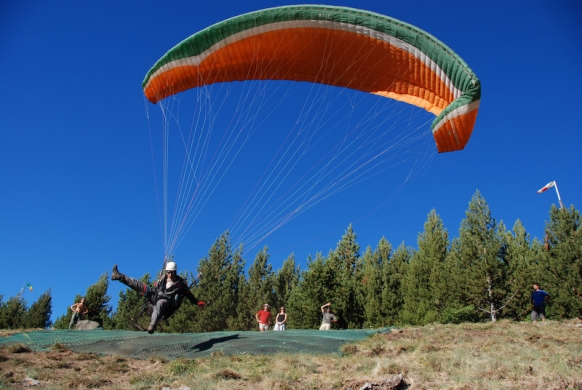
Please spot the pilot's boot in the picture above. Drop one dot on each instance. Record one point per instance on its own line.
(116, 275)
(151, 328)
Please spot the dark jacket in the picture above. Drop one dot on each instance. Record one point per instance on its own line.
(176, 292)
(538, 298)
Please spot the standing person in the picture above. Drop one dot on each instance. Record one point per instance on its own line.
(538, 299)
(263, 317)
(78, 309)
(328, 317)
(166, 295)
(281, 320)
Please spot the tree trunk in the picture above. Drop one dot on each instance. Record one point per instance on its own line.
(492, 304)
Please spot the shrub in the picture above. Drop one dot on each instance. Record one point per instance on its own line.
(457, 316)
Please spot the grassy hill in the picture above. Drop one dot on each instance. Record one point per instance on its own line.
(501, 355)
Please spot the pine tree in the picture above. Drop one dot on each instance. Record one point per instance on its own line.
(218, 285)
(260, 287)
(562, 263)
(344, 263)
(97, 302)
(39, 313)
(286, 279)
(312, 291)
(13, 313)
(370, 289)
(62, 321)
(245, 319)
(422, 287)
(521, 255)
(393, 270)
(232, 281)
(479, 264)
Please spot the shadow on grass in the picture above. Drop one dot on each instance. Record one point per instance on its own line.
(206, 345)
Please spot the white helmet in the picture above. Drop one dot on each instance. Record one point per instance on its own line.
(171, 266)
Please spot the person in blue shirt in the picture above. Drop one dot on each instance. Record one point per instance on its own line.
(538, 299)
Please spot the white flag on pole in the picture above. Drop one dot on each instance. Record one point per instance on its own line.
(547, 187)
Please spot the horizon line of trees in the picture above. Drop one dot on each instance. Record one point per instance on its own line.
(483, 274)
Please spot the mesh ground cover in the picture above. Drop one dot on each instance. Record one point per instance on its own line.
(141, 345)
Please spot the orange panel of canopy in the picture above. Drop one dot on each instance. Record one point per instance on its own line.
(337, 46)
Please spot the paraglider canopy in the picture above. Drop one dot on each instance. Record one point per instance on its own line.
(332, 55)
(338, 46)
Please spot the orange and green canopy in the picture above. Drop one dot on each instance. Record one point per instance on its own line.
(338, 46)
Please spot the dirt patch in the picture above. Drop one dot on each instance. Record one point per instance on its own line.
(398, 334)
(228, 374)
(533, 338)
(57, 369)
(395, 382)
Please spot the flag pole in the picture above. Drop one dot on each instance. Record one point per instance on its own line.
(550, 185)
(558, 192)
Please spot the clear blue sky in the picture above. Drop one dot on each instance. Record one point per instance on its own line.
(78, 191)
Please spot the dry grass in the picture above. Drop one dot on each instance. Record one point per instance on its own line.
(503, 355)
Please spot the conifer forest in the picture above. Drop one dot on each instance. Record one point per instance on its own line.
(482, 274)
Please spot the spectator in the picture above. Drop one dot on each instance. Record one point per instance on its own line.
(281, 320)
(538, 299)
(328, 317)
(78, 309)
(263, 317)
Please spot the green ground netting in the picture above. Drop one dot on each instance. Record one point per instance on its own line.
(141, 345)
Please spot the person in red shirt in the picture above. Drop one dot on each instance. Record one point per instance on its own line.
(263, 317)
